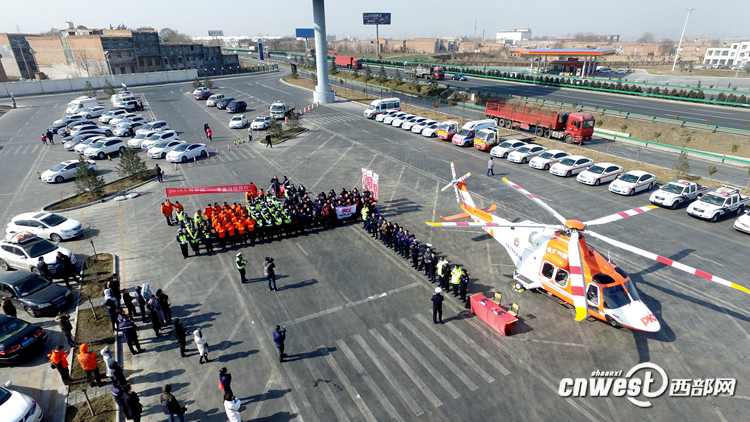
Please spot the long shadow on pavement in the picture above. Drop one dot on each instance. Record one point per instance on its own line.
(268, 395)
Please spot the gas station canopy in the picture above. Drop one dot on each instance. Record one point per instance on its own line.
(566, 52)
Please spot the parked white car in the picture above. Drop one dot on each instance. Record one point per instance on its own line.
(15, 406)
(65, 170)
(46, 225)
(157, 126)
(260, 123)
(407, 125)
(169, 135)
(102, 148)
(78, 149)
(599, 173)
(139, 138)
(524, 154)
(632, 182)
(108, 116)
(162, 148)
(417, 128)
(399, 121)
(502, 150)
(743, 223)
(571, 165)
(547, 158)
(126, 128)
(183, 153)
(238, 122)
(430, 131)
(380, 117)
(123, 117)
(389, 119)
(90, 113)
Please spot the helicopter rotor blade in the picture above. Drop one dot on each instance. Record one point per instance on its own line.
(578, 283)
(667, 261)
(446, 186)
(453, 170)
(487, 224)
(620, 215)
(455, 189)
(549, 209)
(464, 177)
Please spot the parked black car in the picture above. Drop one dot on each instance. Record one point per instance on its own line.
(33, 293)
(236, 107)
(18, 338)
(224, 102)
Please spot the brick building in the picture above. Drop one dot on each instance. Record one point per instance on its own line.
(95, 52)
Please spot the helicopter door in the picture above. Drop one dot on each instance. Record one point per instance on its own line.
(592, 297)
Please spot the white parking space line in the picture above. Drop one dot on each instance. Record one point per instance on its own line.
(369, 381)
(35, 147)
(407, 369)
(327, 393)
(483, 353)
(353, 394)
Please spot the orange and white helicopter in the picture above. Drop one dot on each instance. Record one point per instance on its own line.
(555, 259)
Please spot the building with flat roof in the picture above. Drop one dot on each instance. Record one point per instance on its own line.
(510, 36)
(736, 54)
(17, 57)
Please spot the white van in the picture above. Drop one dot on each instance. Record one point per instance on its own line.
(382, 106)
(80, 104)
(465, 136)
(212, 100)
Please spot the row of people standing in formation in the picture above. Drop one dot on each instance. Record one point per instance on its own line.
(423, 257)
(265, 216)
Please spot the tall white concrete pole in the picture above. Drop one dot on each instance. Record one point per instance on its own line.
(677, 53)
(323, 93)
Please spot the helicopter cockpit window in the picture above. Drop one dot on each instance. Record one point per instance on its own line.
(561, 278)
(592, 295)
(532, 236)
(615, 297)
(547, 270)
(631, 289)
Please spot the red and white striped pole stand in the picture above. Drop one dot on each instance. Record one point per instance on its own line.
(195, 161)
(175, 166)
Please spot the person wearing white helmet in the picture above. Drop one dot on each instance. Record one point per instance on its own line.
(437, 306)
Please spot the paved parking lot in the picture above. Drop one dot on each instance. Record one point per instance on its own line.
(360, 343)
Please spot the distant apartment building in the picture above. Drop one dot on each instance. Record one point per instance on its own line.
(511, 36)
(97, 52)
(736, 54)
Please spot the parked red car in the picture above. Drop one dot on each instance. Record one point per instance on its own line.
(202, 93)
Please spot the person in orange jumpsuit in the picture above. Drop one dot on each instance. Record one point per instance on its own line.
(209, 212)
(166, 209)
(250, 224)
(59, 359)
(229, 227)
(178, 206)
(222, 235)
(90, 365)
(240, 224)
(253, 190)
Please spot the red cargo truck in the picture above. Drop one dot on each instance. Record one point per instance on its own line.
(349, 62)
(570, 127)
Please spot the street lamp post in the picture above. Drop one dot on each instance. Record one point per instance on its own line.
(679, 45)
(109, 66)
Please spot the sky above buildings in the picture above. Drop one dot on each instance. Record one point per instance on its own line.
(410, 19)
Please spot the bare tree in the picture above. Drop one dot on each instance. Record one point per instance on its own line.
(174, 36)
(646, 37)
(666, 47)
(83, 60)
(53, 32)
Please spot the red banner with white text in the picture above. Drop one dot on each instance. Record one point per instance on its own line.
(208, 189)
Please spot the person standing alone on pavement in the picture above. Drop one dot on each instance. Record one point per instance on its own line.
(208, 134)
(437, 306)
(180, 335)
(158, 172)
(201, 344)
(490, 167)
(233, 407)
(279, 335)
(225, 381)
(268, 141)
(240, 262)
(270, 273)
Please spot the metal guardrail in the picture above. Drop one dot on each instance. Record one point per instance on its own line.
(471, 69)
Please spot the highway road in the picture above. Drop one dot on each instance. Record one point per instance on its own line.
(731, 117)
